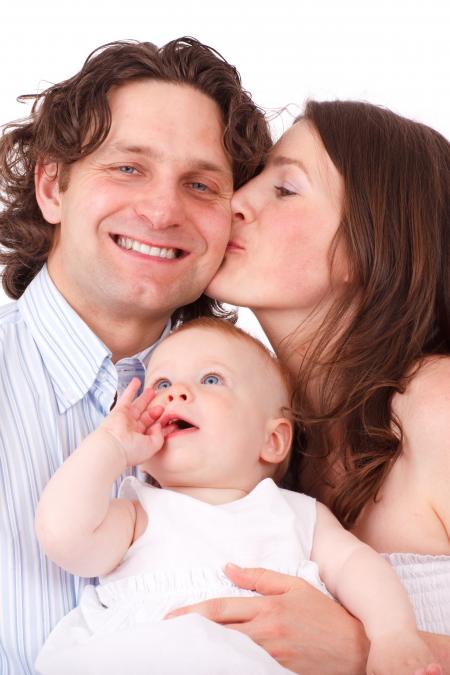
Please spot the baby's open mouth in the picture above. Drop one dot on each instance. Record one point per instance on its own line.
(182, 424)
(176, 422)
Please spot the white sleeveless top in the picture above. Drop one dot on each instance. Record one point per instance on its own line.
(179, 559)
(426, 579)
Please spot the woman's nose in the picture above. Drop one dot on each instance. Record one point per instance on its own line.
(178, 392)
(244, 203)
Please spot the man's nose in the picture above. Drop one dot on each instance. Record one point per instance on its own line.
(161, 206)
(178, 392)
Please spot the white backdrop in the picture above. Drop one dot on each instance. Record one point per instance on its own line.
(391, 52)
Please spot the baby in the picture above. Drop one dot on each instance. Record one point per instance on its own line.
(212, 429)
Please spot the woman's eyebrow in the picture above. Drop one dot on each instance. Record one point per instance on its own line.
(282, 160)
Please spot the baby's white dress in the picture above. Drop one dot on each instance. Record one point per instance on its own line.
(117, 629)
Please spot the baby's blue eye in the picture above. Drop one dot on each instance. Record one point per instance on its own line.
(211, 378)
(162, 384)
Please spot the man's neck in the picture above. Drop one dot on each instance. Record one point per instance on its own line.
(123, 332)
(126, 338)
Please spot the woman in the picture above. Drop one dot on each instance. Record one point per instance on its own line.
(341, 247)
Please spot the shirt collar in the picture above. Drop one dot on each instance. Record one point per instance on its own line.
(72, 353)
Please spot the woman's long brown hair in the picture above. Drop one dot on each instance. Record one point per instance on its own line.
(395, 230)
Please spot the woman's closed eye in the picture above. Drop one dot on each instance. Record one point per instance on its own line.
(284, 191)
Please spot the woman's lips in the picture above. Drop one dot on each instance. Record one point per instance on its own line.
(234, 246)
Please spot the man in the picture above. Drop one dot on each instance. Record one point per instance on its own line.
(116, 195)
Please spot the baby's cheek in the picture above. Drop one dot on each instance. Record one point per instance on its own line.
(158, 400)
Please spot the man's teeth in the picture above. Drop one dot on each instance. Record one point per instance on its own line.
(133, 245)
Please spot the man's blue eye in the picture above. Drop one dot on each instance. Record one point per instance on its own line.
(200, 187)
(126, 169)
(162, 384)
(211, 379)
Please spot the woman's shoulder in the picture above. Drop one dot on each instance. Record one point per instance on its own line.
(427, 392)
(423, 410)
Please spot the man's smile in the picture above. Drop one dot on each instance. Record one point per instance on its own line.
(147, 249)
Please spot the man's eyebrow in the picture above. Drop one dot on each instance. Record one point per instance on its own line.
(195, 164)
(281, 160)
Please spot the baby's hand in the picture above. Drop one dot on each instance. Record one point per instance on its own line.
(402, 653)
(134, 425)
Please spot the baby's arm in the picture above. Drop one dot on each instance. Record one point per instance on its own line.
(78, 525)
(369, 588)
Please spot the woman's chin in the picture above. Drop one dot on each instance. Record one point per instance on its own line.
(218, 290)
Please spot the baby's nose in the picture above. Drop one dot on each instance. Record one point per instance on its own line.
(178, 392)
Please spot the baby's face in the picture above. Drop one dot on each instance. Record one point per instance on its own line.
(222, 394)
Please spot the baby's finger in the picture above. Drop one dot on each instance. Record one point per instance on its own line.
(168, 429)
(143, 401)
(156, 436)
(129, 394)
(156, 412)
(151, 415)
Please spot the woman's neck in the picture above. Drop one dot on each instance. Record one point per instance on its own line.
(291, 333)
(295, 333)
(294, 338)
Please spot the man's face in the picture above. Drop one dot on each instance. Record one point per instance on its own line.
(145, 219)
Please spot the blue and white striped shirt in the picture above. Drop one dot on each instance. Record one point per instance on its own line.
(57, 382)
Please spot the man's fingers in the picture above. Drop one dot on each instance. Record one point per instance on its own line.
(265, 582)
(222, 610)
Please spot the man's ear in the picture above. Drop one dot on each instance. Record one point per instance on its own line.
(278, 441)
(47, 191)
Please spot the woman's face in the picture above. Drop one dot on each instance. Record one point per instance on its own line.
(284, 221)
